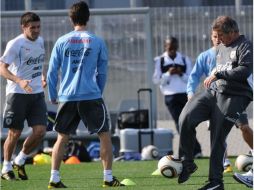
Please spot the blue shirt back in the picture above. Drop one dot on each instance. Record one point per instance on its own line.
(82, 59)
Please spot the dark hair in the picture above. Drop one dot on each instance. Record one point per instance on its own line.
(172, 40)
(79, 13)
(225, 24)
(29, 17)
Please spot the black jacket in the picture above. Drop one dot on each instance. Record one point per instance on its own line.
(234, 64)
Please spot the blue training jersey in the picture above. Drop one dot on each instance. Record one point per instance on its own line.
(204, 65)
(82, 59)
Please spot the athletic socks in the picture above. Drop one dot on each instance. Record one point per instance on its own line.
(21, 158)
(107, 175)
(55, 176)
(226, 162)
(7, 166)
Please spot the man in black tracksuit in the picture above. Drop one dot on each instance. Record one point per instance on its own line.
(228, 94)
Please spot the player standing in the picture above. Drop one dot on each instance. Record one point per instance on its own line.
(82, 58)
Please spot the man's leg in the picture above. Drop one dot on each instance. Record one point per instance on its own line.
(57, 157)
(29, 145)
(218, 134)
(247, 134)
(106, 153)
(175, 104)
(195, 111)
(226, 107)
(107, 158)
(34, 139)
(9, 146)
(243, 124)
(58, 153)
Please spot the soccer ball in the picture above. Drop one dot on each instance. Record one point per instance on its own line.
(169, 166)
(149, 152)
(41, 159)
(244, 162)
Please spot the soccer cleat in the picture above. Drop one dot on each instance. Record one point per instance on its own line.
(188, 169)
(213, 186)
(53, 185)
(228, 169)
(113, 183)
(9, 176)
(21, 171)
(246, 178)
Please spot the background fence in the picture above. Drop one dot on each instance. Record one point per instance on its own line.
(127, 33)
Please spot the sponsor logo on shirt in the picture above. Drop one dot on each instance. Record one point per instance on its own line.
(77, 52)
(80, 41)
(35, 60)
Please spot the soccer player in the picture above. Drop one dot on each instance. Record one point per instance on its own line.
(22, 66)
(228, 93)
(171, 72)
(204, 65)
(82, 58)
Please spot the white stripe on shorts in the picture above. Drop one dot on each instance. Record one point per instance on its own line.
(104, 118)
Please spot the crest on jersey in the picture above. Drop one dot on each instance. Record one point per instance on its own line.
(232, 54)
(8, 121)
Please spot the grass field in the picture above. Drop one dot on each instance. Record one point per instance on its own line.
(89, 176)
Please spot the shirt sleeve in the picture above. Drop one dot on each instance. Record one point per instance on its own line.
(157, 71)
(52, 74)
(195, 75)
(102, 66)
(10, 53)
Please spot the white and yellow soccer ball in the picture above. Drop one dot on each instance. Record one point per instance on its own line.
(169, 166)
(149, 152)
(244, 162)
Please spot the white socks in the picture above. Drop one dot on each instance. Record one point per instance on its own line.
(226, 162)
(21, 158)
(107, 175)
(7, 166)
(55, 176)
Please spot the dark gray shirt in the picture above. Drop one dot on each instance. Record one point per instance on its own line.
(234, 64)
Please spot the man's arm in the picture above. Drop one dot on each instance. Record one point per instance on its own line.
(52, 75)
(4, 72)
(195, 75)
(102, 66)
(244, 68)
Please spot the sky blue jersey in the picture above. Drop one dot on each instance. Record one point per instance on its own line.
(82, 59)
(204, 65)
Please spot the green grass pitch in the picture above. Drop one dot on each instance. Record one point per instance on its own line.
(89, 176)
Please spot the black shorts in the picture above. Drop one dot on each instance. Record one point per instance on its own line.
(21, 107)
(93, 113)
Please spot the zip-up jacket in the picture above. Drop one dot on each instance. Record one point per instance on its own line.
(234, 65)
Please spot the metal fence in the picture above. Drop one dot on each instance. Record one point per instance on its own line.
(134, 37)
(191, 25)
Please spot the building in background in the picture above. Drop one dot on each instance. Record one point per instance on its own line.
(14, 5)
